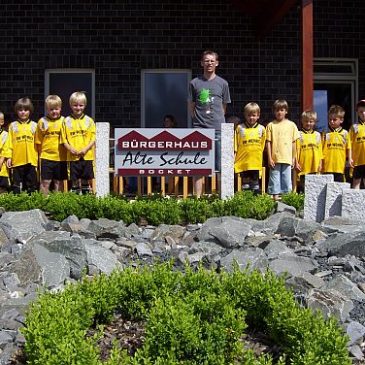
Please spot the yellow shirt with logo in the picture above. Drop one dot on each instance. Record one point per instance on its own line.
(48, 136)
(357, 137)
(282, 135)
(79, 133)
(335, 145)
(22, 143)
(4, 152)
(249, 143)
(309, 151)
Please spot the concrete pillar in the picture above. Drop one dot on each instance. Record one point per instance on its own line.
(227, 161)
(102, 156)
(315, 196)
(334, 193)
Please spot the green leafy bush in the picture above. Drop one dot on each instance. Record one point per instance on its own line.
(196, 317)
(155, 210)
(294, 199)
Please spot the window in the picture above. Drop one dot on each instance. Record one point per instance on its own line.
(63, 82)
(165, 92)
(335, 82)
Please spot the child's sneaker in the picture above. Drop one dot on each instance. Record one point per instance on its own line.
(255, 186)
(245, 186)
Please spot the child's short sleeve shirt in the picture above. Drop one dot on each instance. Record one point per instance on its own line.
(282, 135)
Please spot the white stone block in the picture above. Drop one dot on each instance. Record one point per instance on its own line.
(227, 161)
(353, 204)
(334, 191)
(102, 156)
(315, 196)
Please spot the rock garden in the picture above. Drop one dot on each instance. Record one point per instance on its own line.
(88, 280)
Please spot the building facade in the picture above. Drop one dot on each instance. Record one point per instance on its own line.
(135, 58)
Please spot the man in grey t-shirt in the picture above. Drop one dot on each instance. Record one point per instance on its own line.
(208, 97)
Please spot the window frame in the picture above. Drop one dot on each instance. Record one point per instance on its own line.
(48, 72)
(144, 72)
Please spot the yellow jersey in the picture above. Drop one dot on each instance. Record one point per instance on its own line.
(335, 144)
(48, 136)
(309, 151)
(4, 152)
(357, 137)
(282, 135)
(22, 143)
(79, 133)
(249, 143)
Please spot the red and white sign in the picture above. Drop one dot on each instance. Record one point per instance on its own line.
(147, 151)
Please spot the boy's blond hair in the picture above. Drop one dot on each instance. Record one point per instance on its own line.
(308, 115)
(24, 103)
(53, 101)
(251, 108)
(78, 96)
(336, 110)
(2, 114)
(280, 104)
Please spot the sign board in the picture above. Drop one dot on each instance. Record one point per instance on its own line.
(151, 151)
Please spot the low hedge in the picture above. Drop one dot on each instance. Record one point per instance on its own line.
(196, 317)
(155, 210)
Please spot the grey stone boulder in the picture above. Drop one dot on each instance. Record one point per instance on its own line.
(293, 265)
(209, 248)
(5, 338)
(3, 237)
(103, 259)
(344, 244)
(345, 286)
(26, 268)
(304, 282)
(107, 228)
(162, 231)
(249, 258)
(229, 232)
(282, 207)
(54, 266)
(22, 226)
(72, 247)
(143, 249)
(355, 331)
(330, 302)
(342, 225)
(276, 248)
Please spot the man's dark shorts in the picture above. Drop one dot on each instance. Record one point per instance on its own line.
(53, 170)
(81, 169)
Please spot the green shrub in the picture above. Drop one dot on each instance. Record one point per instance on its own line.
(155, 209)
(294, 199)
(196, 317)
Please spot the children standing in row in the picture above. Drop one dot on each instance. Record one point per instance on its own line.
(50, 137)
(4, 154)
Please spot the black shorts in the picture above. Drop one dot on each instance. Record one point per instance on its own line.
(25, 178)
(251, 174)
(81, 169)
(4, 182)
(359, 172)
(53, 170)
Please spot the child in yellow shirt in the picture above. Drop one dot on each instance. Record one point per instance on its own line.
(309, 148)
(249, 144)
(4, 155)
(281, 136)
(53, 155)
(24, 155)
(357, 137)
(336, 145)
(78, 136)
